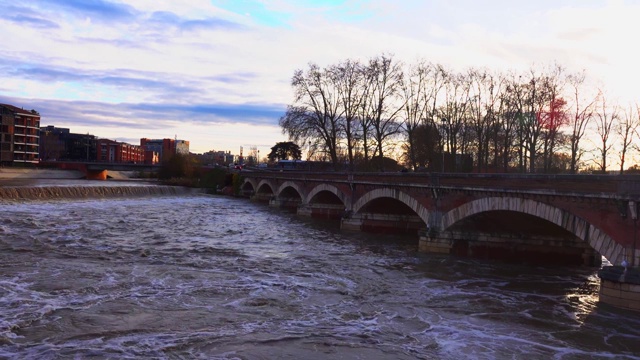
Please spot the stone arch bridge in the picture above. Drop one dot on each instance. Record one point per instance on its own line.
(562, 219)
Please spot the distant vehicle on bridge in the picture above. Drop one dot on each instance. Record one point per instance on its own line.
(291, 164)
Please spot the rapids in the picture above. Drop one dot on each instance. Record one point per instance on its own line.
(193, 276)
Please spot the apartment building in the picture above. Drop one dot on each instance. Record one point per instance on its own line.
(19, 135)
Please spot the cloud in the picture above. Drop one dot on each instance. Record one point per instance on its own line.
(95, 9)
(148, 115)
(167, 18)
(256, 114)
(166, 65)
(25, 16)
(158, 85)
(33, 21)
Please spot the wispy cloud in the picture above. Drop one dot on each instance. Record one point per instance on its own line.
(96, 9)
(148, 115)
(167, 19)
(33, 21)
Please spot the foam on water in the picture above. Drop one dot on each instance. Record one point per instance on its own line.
(20, 193)
(209, 277)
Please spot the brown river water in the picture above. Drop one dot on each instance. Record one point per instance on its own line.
(170, 274)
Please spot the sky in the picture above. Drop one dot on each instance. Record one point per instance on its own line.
(217, 73)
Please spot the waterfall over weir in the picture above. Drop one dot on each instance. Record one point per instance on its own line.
(75, 192)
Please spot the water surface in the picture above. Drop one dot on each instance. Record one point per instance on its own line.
(207, 277)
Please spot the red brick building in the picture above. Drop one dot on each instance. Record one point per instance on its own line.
(19, 135)
(118, 152)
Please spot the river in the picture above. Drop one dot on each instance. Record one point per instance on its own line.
(195, 276)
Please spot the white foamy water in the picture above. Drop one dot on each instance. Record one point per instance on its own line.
(204, 277)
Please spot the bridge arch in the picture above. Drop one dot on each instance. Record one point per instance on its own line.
(401, 196)
(249, 185)
(290, 184)
(261, 186)
(579, 227)
(326, 187)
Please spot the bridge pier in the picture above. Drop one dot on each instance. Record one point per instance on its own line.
(386, 223)
(287, 203)
(96, 174)
(261, 197)
(620, 287)
(511, 248)
(325, 211)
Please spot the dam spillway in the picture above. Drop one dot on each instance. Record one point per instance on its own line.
(17, 193)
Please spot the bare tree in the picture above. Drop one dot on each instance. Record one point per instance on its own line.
(415, 110)
(582, 115)
(553, 116)
(348, 78)
(606, 116)
(454, 112)
(512, 103)
(626, 128)
(483, 99)
(385, 78)
(316, 113)
(541, 89)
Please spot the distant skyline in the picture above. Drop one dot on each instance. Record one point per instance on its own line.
(217, 73)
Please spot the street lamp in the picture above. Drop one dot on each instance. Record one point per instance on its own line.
(444, 122)
(633, 207)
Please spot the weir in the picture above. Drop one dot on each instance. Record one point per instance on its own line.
(77, 192)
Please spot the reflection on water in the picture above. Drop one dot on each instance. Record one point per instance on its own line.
(212, 277)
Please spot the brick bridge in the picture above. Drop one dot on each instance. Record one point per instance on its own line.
(560, 219)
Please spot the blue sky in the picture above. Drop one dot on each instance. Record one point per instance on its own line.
(217, 73)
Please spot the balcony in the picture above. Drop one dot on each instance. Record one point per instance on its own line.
(25, 152)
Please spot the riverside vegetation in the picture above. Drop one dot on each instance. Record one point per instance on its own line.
(184, 170)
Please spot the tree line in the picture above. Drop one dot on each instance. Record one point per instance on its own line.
(544, 119)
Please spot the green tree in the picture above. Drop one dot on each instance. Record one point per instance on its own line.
(178, 166)
(284, 151)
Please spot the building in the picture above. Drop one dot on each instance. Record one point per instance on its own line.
(61, 144)
(165, 148)
(182, 147)
(151, 157)
(19, 135)
(118, 152)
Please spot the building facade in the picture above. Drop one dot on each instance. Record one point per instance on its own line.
(19, 135)
(60, 144)
(165, 148)
(118, 152)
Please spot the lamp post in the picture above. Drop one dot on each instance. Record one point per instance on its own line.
(634, 207)
(444, 122)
